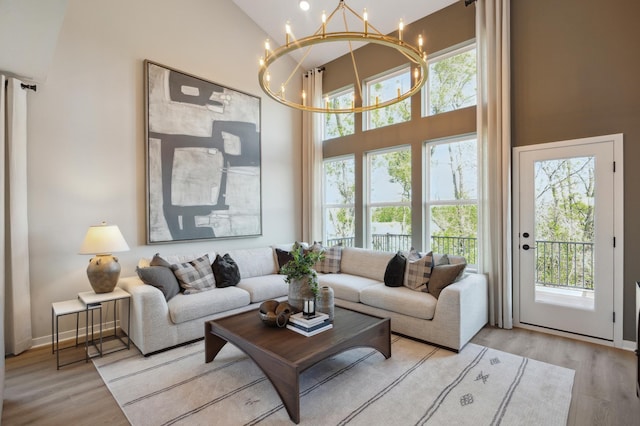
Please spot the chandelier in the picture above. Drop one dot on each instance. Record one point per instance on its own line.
(369, 34)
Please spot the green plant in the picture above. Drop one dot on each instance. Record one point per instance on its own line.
(301, 266)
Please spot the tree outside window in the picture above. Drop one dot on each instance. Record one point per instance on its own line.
(389, 209)
(452, 200)
(339, 201)
(451, 82)
(385, 88)
(337, 125)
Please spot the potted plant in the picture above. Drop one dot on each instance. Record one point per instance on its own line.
(301, 277)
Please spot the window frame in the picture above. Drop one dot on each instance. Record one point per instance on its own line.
(440, 56)
(368, 205)
(326, 206)
(327, 97)
(386, 75)
(428, 202)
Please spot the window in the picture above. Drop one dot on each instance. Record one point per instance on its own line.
(384, 88)
(389, 200)
(451, 209)
(336, 125)
(451, 82)
(339, 201)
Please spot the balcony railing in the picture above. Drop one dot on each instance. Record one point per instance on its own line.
(558, 263)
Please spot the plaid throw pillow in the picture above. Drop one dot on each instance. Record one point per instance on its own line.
(418, 271)
(331, 262)
(195, 276)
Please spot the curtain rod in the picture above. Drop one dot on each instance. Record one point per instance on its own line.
(468, 2)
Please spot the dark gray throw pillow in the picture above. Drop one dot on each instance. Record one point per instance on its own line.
(226, 271)
(162, 278)
(283, 257)
(442, 276)
(394, 274)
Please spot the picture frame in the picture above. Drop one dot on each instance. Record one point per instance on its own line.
(203, 158)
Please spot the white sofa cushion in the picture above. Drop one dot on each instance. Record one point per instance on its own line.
(346, 286)
(186, 307)
(255, 262)
(265, 287)
(402, 300)
(365, 263)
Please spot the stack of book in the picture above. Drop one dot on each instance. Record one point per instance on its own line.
(309, 326)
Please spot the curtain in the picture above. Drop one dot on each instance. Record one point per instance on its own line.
(14, 261)
(494, 138)
(312, 159)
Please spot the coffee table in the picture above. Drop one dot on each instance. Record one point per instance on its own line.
(283, 354)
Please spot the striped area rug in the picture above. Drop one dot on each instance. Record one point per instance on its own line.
(419, 385)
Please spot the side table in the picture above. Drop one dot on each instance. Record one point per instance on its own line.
(69, 307)
(91, 299)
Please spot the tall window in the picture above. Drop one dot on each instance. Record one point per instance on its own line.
(339, 201)
(336, 125)
(384, 88)
(451, 82)
(452, 197)
(389, 199)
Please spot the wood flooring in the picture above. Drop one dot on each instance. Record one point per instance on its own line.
(603, 392)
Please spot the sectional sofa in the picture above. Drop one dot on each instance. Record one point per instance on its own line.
(449, 321)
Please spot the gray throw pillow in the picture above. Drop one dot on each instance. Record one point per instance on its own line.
(442, 276)
(195, 276)
(162, 278)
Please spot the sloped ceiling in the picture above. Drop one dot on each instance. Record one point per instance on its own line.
(28, 36)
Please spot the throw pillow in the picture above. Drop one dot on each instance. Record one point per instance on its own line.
(330, 264)
(159, 261)
(442, 276)
(283, 257)
(225, 271)
(160, 277)
(195, 276)
(418, 272)
(394, 274)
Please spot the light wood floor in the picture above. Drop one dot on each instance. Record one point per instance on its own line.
(603, 391)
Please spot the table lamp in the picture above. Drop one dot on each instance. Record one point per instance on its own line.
(103, 270)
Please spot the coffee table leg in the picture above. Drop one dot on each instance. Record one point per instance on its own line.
(212, 343)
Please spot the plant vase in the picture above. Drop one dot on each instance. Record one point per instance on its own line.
(299, 290)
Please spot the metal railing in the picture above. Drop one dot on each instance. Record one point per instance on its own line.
(558, 263)
(564, 264)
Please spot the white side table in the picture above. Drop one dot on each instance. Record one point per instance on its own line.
(91, 299)
(69, 307)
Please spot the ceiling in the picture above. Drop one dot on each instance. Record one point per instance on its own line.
(384, 15)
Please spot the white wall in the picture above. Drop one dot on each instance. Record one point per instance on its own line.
(86, 133)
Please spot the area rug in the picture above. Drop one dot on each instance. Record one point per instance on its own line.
(419, 385)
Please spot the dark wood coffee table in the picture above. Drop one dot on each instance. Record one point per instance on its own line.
(283, 354)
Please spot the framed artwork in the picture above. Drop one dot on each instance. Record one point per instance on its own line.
(203, 158)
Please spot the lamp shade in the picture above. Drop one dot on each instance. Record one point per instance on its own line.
(103, 239)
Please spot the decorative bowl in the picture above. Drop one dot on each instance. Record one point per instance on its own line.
(274, 314)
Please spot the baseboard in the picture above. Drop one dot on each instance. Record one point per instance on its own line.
(107, 328)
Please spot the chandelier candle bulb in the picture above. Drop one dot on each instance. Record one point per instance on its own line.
(365, 18)
(420, 42)
(400, 29)
(324, 24)
(287, 29)
(304, 98)
(267, 47)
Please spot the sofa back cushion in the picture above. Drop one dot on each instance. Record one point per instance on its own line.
(255, 262)
(366, 263)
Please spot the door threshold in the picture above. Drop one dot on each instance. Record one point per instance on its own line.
(574, 336)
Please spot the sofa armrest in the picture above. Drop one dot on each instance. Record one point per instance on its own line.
(465, 303)
(149, 310)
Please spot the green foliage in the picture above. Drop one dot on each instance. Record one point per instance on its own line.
(301, 267)
(452, 83)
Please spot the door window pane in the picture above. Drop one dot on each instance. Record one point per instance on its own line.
(339, 198)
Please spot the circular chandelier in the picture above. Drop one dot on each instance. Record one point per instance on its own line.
(369, 34)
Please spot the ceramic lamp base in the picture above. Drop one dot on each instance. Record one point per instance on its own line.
(103, 272)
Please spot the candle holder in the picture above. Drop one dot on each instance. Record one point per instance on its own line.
(309, 308)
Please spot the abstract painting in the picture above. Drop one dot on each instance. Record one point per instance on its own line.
(203, 158)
